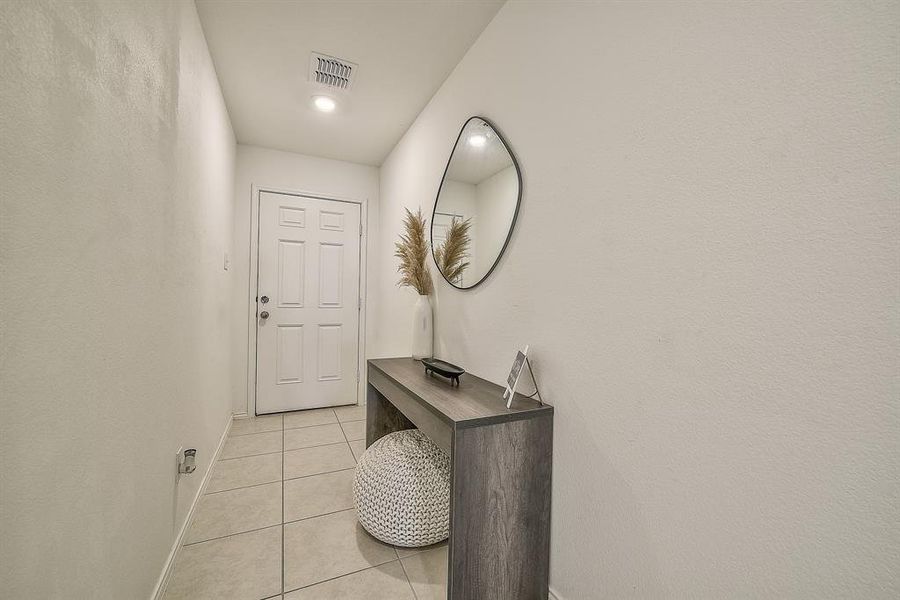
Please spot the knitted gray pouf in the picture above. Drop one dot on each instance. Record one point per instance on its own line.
(402, 490)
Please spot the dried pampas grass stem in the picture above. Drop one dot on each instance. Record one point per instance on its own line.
(412, 250)
(451, 255)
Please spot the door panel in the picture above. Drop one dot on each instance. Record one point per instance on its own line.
(307, 349)
(331, 274)
(330, 352)
(290, 274)
(289, 354)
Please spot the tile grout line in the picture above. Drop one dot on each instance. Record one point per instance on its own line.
(355, 460)
(284, 427)
(241, 487)
(322, 473)
(335, 422)
(236, 533)
(237, 435)
(250, 455)
(283, 567)
(244, 487)
(282, 525)
(303, 587)
(344, 433)
(421, 549)
(405, 574)
(251, 419)
(349, 447)
(327, 514)
(319, 446)
(316, 446)
(283, 450)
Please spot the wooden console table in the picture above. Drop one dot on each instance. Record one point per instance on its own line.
(501, 468)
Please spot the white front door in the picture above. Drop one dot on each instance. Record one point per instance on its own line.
(307, 344)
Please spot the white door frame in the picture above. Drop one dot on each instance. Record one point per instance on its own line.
(254, 281)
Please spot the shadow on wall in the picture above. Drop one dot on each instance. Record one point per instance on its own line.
(606, 540)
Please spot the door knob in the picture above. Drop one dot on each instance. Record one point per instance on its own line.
(264, 314)
(264, 299)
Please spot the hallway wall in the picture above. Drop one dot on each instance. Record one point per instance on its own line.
(707, 269)
(115, 213)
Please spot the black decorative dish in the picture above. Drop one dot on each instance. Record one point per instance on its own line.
(443, 368)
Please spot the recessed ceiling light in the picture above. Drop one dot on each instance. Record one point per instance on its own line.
(477, 140)
(324, 104)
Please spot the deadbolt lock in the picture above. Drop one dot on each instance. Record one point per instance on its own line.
(264, 299)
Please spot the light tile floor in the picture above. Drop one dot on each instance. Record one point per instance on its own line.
(277, 521)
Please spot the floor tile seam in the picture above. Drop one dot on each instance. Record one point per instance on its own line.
(315, 446)
(343, 510)
(406, 574)
(335, 422)
(242, 487)
(319, 446)
(303, 587)
(325, 514)
(344, 433)
(322, 473)
(285, 427)
(234, 435)
(228, 535)
(222, 537)
(419, 550)
(225, 459)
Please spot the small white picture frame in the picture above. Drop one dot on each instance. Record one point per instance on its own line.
(513, 378)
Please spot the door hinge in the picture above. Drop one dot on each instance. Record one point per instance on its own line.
(359, 304)
(357, 376)
(360, 230)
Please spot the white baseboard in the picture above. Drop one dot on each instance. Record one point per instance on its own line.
(554, 595)
(160, 589)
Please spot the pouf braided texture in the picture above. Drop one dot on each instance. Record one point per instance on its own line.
(402, 490)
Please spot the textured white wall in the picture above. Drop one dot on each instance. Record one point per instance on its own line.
(115, 211)
(287, 171)
(496, 200)
(707, 268)
(458, 197)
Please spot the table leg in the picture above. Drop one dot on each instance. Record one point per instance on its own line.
(382, 417)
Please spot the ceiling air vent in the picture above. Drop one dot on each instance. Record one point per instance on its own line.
(331, 72)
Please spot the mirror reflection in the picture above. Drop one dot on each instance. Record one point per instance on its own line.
(476, 205)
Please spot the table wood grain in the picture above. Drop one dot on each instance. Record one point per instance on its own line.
(501, 463)
(475, 401)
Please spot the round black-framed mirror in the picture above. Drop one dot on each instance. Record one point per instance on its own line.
(476, 206)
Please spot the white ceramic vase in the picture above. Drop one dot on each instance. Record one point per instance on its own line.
(423, 329)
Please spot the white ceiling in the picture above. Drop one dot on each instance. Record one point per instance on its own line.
(404, 49)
